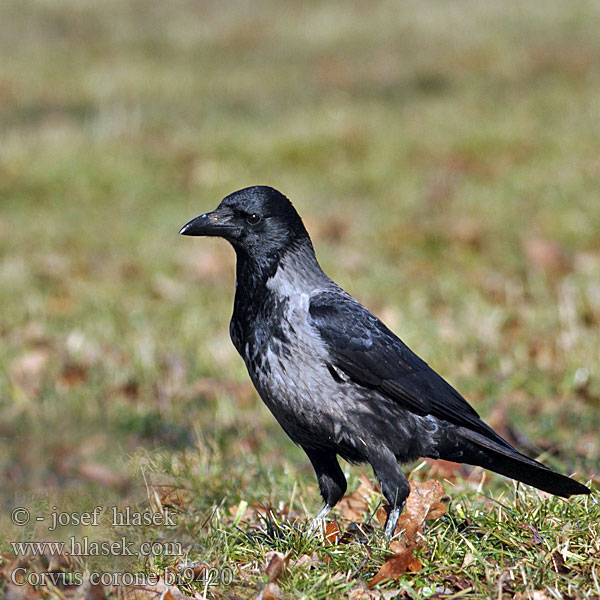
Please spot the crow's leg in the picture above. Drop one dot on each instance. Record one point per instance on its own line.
(332, 482)
(394, 485)
(320, 518)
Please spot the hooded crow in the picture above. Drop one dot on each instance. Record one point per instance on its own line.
(337, 380)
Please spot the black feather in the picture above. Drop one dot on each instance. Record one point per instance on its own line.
(372, 356)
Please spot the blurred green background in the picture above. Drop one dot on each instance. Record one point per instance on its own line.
(445, 158)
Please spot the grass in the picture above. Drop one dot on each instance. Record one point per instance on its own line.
(515, 542)
(445, 158)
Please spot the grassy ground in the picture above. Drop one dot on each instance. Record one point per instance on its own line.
(445, 158)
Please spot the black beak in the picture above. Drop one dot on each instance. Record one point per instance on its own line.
(207, 224)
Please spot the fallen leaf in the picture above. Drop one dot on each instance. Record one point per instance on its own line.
(423, 504)
(354, 505)
(73, 375)
(130, 389)
(332, 533)
(468, 560)
(361, 592)
(558, 563)
(546, 255)
(306, 560)
(172, 496)
(534, 532)
(402, 561)
(192, 570)
(276, 564)
(459, 583)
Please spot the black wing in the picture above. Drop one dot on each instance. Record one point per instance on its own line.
(361, 346)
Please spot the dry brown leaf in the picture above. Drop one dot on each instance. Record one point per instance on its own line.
(402, 561)
(354, 505)
(130, 389)
(558, 563)
(171, 496)
(306, 560)
(362, 593)
(72, 375)
(534, 532)
(332, 533)
(276, 565)
(468, 560)
(195, 571)
(546, 255)
(423, 504)
(458, 583)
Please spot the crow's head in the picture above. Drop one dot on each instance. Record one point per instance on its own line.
(258, 221)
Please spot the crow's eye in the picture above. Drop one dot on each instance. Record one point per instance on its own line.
(253, 219)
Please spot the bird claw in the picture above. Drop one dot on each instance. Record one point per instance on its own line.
(319, 520)
(392, 521)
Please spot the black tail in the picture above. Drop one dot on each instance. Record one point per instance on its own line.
(506, 460)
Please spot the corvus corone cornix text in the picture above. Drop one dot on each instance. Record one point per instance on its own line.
(337, 380)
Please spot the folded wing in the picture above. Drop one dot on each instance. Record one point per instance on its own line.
(371, 355)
